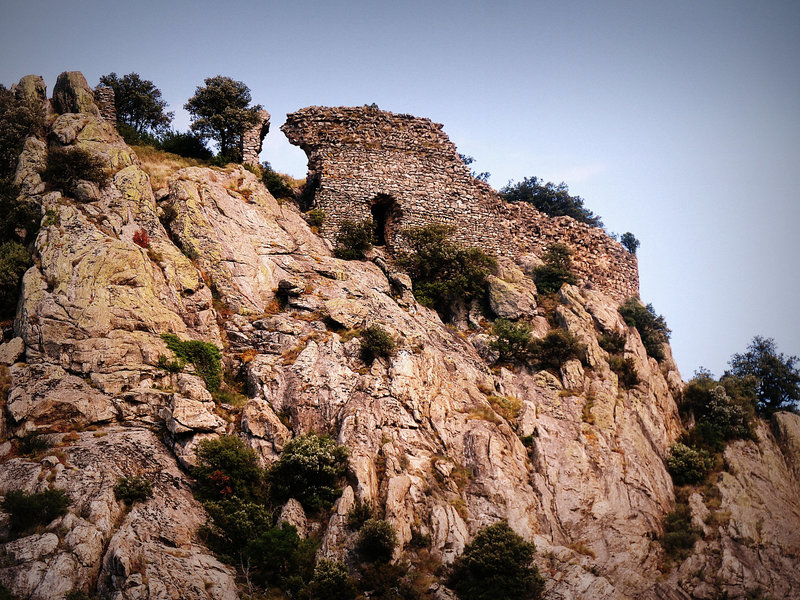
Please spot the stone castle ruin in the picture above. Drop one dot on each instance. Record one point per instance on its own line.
(403, 171)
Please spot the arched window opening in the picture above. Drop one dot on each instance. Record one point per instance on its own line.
(383, 208)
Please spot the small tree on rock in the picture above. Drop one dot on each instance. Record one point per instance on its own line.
(496, 565)
(139, 104)
(220, 111)
(777, 376)
(630, 242)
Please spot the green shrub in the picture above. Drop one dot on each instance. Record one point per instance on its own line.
(444, 273)
(688, 465)
(275, 183)
(14, 261)
(226, 467)
(652, 327)
(556, 348)
(613, 343)
(18, 119)
(316, 217)
(551, 199)
(26, 511)
(187, 145)
(32, 443)
(721, 410)
(360, 513)
(776, 377)
(19, 218)
(133, 489)
(679, 534)
(237, 522)
(630, 242)
(206, 358)
(354, 240)
(375, 342)
(280, 556)
(625, 370)
(513, 341)
(309, 469)
(496, 565)
(67, 166)
(556, 270)
(376, 541)
(331, 581)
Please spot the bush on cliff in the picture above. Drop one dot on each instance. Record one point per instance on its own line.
(206, 358)
(18, 120)
(652, 327)
(226, 467)
(26, 511)
(331, 581)
(375, 342)
(376, 541)
(309, 470)
(553, 200)
(443, 272)
(19, 218)
(776, 377)
(354, 240)
(556, 348)
(512, 341)
(275, 183)
(556, 270)
(14, 261)
(68, 166)
(688, 465)
(496, 565)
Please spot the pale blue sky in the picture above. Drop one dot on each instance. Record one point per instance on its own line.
(678, 121)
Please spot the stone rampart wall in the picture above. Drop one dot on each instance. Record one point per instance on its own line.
(104, 98)
(406, 168)
(253, 138)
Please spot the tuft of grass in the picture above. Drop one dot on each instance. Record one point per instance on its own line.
(507, 407)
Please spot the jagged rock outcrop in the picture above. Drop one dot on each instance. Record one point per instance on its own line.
(442, 441)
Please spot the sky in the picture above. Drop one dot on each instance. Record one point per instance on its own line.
(678, 121)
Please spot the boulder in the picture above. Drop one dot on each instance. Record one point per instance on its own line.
(511, 301)
(72, 94)
(11, 351)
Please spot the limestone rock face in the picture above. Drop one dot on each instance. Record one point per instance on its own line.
(147, 550)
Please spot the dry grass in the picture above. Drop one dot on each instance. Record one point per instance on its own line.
(484, 413)
(582, 548)
(507, 407)
(161, 165)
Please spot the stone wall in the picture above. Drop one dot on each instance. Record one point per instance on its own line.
(253, 138)
(104, 98)
(404, 171)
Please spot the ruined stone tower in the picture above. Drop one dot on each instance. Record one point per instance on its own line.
(403, 171)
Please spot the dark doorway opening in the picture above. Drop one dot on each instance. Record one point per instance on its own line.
(382, 209)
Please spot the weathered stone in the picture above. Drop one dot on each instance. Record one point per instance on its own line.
(31, 89)
(292, 513)
(32, 162)
(510, 301)
(71, 94)
(11, 351)
(253, 137)
(404, 171)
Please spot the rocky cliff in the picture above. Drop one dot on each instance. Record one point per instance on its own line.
(442, 440)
